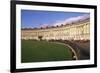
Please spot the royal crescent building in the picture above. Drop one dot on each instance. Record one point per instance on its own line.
(79, 30)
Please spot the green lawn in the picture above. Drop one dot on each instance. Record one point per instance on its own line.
(41, 51)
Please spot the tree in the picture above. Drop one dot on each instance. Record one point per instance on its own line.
(40, 37)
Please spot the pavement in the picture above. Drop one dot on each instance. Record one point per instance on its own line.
(81, 48)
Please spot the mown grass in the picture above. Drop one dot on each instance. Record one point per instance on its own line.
(41, 51)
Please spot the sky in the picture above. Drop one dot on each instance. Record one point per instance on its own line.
(37, 19)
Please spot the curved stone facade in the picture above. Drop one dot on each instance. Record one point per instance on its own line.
(74, 31)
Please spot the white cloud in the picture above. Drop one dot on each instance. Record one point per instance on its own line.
(66, 21)
(44, 25)
(70, 20)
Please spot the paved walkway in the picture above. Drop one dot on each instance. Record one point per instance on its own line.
(82, 49)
